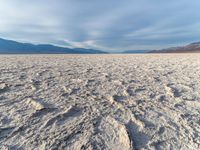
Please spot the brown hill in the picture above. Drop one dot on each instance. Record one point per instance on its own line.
(191, 48)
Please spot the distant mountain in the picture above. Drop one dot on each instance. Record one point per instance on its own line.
(191, 48)
(13, 47)
(135, 51)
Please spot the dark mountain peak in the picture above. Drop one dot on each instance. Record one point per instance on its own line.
(195, 43)
(190, 48)
(13, 47)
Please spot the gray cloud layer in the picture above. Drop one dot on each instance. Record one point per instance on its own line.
(108, 25)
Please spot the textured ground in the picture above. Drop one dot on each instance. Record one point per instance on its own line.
(117, 102)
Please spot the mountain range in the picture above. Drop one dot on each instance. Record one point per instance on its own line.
(190, 48)
(135, 51)
(13, 47)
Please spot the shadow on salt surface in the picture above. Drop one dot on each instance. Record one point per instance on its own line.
(60, 118)
(3, 87)
(139, 139)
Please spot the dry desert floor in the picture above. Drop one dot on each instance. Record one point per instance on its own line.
(94, 102)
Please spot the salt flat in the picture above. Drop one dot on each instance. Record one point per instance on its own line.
(117, 102)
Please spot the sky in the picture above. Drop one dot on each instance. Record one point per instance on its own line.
(111, 25)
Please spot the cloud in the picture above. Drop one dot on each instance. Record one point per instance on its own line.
(108, 25)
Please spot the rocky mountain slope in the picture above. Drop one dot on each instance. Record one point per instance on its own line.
(191, 48)
(13, 47)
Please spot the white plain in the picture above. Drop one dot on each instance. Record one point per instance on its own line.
(117, 102)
